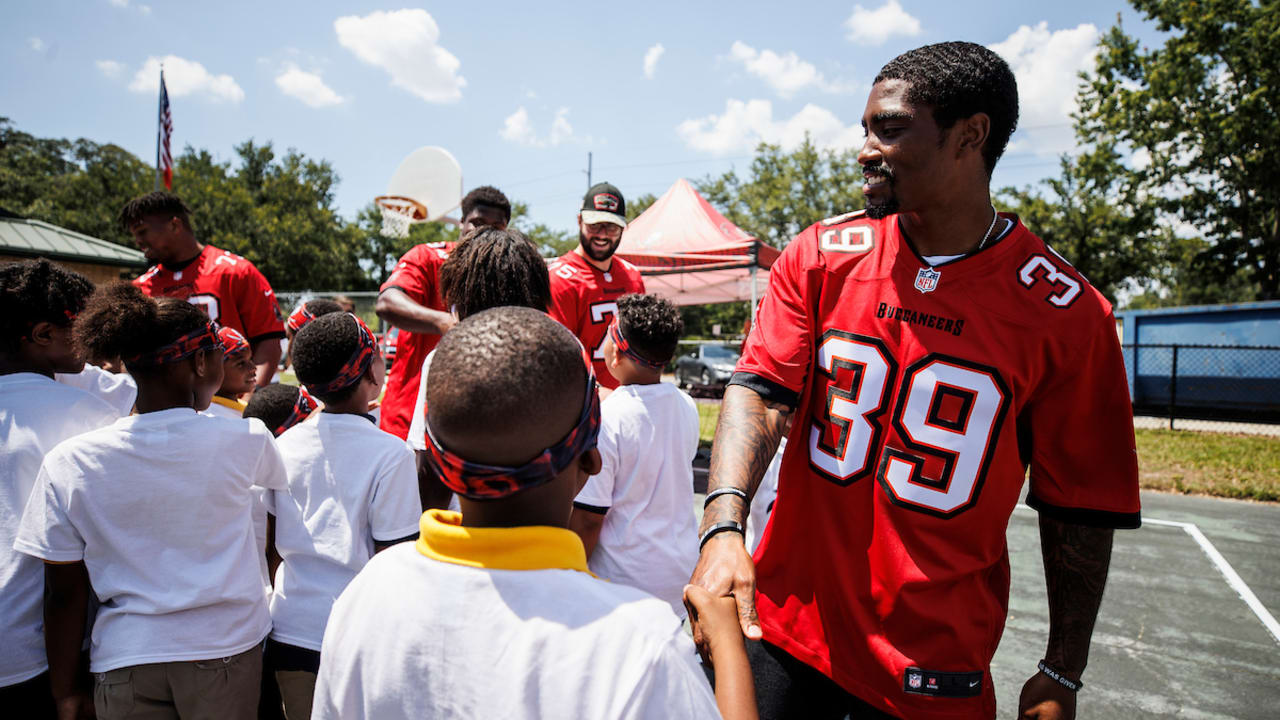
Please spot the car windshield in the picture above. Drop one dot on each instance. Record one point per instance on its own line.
(719, 352)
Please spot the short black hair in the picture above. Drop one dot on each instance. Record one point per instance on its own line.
(321, 348)
(119, 321)
(651, 324)
(488, 196)
(36, 291)
(502, 370)
(960, 80)
(493, 268)
(272, 404)
(154, 203)
(321, 306)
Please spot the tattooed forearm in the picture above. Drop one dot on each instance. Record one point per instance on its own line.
(746, 439)
(1076, 559)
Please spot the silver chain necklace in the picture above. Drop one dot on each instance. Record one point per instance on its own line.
(994, 216)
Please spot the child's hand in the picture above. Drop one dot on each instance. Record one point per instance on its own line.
(714, 621)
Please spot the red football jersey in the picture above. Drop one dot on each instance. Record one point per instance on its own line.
(585, 300)
(922, 396)
(417, 274)
(226, 286)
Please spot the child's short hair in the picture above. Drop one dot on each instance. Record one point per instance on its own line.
(320, 351)
(36, 291)
(310, 310)
(651, 324)
(504, 370)
(495, 268)
(120, 321)
(278, 406)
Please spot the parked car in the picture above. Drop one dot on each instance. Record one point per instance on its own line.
(710, 364)
(388, 343)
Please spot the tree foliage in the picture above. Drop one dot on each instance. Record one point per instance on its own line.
(1205, 109)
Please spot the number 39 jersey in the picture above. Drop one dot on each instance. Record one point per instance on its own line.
(922, 397)
(585, 300)
(226, 286)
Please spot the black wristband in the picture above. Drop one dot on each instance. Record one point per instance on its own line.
(719, 528)
(1059, 678)
(724, 491)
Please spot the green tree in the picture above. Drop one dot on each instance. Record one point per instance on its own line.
(378, 254)
(783, 193)
(636, 206)
(550, 242)
(1205, 109)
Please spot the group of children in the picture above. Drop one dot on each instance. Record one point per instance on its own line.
(143, 512)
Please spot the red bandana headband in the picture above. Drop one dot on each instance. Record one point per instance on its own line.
(478, 481)
(203, 338)
(356, 365)
(232, 342)
(615, 331)
(299, 317)
(302, 408)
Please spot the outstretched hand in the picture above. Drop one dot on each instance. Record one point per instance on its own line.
(725, 569)
(1044, 699)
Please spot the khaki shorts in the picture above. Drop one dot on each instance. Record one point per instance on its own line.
(191, 690)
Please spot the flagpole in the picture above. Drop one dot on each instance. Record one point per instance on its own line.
(159, 124)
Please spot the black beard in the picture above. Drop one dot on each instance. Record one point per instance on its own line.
(882, 210)
(585, 244)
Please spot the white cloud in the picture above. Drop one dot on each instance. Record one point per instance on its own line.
(110, 68)
(119, 3)
(36, 44)
(743, 125)
(874, 27)
(404, 44)
(1046, 65)
(517, 129)
(144, 9)
(786, 74)
(185, 77)
(307, 87)
(651, 57)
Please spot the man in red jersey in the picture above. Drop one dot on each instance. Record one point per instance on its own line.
(932, 353)
(587, 281)
(228, 287)
(410, 300)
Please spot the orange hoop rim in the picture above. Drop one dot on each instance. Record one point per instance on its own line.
(414, 210)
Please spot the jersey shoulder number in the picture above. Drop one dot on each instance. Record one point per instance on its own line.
(852, 233)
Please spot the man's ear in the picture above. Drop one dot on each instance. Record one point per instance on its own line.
(42, 334)
(972, 132)
(589, 462)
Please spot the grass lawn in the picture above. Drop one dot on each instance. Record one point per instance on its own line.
(1234, 466)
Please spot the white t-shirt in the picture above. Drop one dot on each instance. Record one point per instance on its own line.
(119, 390)
(36, 414)
(222, 407)
(460, 635)
(349, 485)
(158, 508)
(648, 438)
(418, 421)
(234, 410)
(762, 501)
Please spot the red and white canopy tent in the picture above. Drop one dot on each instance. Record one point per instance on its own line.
(689, 253)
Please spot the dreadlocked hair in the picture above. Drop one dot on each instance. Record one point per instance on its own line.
(272, 404)
(487, 196)
(960, 80)
(36, 291)
(321, 348)
(121, 322)
(154, 203)
(495, 268)
(651, 325)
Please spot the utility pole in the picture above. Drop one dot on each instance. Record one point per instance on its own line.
(588, 170)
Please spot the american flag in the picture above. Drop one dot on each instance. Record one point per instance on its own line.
(164, 159)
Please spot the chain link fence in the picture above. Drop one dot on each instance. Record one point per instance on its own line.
(1223, 388)
(362, 302)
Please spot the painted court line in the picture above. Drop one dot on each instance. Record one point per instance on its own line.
(1233, 578)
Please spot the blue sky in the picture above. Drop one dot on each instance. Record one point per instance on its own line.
(520, 92)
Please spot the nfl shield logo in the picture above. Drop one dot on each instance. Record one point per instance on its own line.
(927, 279)
(914, 680)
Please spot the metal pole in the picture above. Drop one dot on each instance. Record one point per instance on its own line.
(589, 171)
(1173, 385)
(751, 316)
(159, 120)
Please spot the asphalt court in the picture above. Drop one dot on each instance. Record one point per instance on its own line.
(1174, 638)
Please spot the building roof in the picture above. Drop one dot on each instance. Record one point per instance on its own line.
(35, 238)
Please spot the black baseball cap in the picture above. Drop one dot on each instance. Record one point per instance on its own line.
(604, 203)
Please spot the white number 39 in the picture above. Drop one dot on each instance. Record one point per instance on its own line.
(1040, 267)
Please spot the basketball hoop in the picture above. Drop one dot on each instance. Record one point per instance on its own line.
(399, 214)
(425, 188)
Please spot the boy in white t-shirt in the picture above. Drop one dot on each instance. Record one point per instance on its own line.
(152, 513)
(353, 492)
(635, 516)
(38, 305)
(492, 613)
(239, 374)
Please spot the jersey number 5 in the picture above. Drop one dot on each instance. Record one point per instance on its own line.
(946, 408)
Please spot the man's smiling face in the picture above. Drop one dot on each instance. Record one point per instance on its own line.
(904, 158)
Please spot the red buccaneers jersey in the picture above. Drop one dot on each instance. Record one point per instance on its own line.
(922, 396)
(226, 286)
(585, 300)
(417, 275)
